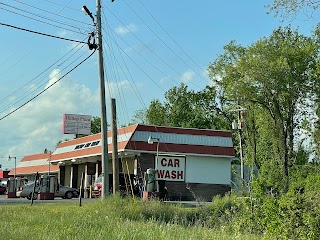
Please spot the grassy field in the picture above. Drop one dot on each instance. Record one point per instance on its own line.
(113, 218)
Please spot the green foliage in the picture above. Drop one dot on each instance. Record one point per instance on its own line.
(189, 109)
(95, 125)
(113, 218)
(291, 8)
(274, 79)
(139, 116)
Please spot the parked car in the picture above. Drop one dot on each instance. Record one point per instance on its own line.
(62, 191)
(124, 185)
(3, 189)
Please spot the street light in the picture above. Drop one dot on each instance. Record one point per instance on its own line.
(151, 140)
(15, 165)
(45, 152)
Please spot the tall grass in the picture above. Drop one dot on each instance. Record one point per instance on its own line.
(113, 218)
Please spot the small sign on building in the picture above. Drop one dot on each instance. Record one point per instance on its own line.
(171, 168)
(76, 124)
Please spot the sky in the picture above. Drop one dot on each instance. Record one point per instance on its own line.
(148, 47)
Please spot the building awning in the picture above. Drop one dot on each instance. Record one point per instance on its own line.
(32, 164)
(172, 140)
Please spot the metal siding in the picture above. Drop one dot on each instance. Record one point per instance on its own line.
(184, 139)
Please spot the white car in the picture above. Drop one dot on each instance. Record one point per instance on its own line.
(62, 191)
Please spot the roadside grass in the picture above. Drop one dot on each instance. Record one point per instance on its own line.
(113, 218)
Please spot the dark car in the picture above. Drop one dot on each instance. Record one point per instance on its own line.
(3, 187)
(62, 191)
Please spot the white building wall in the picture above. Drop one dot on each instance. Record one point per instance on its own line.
(211, 170)
(67, 175)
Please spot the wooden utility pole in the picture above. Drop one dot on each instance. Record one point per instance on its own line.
(104, 130)
(115, 160)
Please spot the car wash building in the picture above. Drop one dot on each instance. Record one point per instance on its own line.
(193, 162)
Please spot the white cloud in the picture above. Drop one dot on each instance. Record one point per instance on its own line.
(62, 33)
(187, 76)
(38, 125)
(122, 30)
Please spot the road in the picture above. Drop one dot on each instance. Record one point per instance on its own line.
(5, 201)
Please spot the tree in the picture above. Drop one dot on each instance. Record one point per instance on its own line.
(190, 109)
(291, 8)
(139, 116)
(275, 75)
(95, 125)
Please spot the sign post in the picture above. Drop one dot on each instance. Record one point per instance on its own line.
(76, 124)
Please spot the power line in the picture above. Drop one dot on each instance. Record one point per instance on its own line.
(48, 86)
(75, 20)
(163, 61)
(166, 43)
(36, 88)
(39, 20)
(58, 4)
(39, 75)
(37, 15)
(44, 34)
(170, 36)
(135, 88)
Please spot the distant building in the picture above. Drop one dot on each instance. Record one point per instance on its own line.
(31, 164)
(4, 174)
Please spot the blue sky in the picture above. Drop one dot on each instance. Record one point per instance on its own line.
(149, 47)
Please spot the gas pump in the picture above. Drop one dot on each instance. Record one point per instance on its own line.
(153, 187)
(150, 184)
(11, 185)
(150, 180)
(47, 188)
(52, 187)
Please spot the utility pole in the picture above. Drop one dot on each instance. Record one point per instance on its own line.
(104, 130)
(115, 160)
(240, 142)
(240, 111)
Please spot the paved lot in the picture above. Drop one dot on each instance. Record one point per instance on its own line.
(4, 200)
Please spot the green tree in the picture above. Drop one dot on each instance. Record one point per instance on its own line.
(291, 8)
(275, 75)
(190, 109)
(95, 125)
(157, 113)
(139, 116)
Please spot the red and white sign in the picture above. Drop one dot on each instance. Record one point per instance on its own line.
(171, 168)
(76, 124)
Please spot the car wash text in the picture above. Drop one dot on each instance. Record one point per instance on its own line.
(171, 168)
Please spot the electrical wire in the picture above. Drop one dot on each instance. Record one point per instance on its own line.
(169, 35)
(135, 88)
(39, 16)
(115, 71)
(55, 14)
(148, 61)
(43, 72)
(163, 61)
(58, 4)
(40, 21)
(48, 87)
(44, 34)
(33, 90)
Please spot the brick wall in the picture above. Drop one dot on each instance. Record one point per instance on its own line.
(181, 190)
